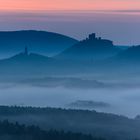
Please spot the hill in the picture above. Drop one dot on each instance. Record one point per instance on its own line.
(127, 62)
(104, 125)
(46, 43)
(132, 54)
(26, 57)
(96, 59)
(25, 63)
(91, 48)
(15, 131)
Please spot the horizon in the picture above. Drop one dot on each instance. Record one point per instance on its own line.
(118, 26)
(26, 30)
(117, 20)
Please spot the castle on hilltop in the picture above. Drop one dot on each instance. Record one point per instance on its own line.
(92, 39)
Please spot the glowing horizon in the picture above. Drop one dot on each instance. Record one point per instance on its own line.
(69, 5)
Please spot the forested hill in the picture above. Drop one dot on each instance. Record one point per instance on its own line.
(15, 131)
(97, 124)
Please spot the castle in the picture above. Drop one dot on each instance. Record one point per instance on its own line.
(92, 39)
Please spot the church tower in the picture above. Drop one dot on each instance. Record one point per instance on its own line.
(26, 51)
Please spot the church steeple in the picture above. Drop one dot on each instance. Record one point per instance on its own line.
(26, 51)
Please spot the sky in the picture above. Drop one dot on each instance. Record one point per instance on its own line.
(117, 20)
(69, 4)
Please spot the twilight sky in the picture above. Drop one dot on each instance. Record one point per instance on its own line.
(117, 20)
(69, 4)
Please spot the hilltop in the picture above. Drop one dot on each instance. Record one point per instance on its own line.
(43, 42)
(92, 48)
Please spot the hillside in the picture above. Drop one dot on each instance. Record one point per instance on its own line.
(127, 62)
(25, 63)
(98, 124)
(92, 48)
(46, 43)
(15, 131)
(103, 58)
(130, 54)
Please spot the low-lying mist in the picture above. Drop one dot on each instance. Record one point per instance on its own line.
(122, 101)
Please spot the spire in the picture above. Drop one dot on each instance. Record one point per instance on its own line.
(26, 51)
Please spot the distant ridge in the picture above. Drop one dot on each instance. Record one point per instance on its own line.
(43, 42)
(126, 62)
(130, 54)
(27, 57)
(25, 62)
(92, 55)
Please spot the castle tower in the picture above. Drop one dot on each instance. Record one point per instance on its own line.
(92, 36)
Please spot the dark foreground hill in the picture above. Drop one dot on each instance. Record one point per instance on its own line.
(15, 131)
(43, 42)
(97, 124)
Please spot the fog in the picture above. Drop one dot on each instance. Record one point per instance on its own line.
(122, 101)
